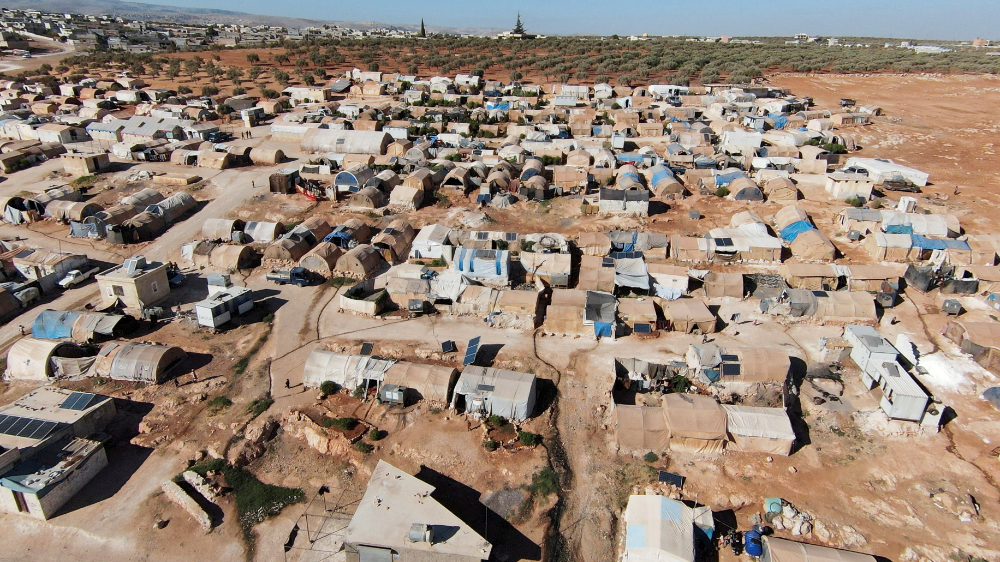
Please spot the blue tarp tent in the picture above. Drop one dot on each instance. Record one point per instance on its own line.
(483, 264)
(925, 243)
(726, 179)
(779, 121)
(602, 329)
(790, 232)
(54, 324)
(898, 229)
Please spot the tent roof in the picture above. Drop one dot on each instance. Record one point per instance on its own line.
(770, 423)
(694, 416)
(783, 550)
(659, 528)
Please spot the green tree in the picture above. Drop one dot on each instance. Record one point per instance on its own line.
(518, 27)
(423, 32)
(254, 73)
(253, 58)
(281, 58)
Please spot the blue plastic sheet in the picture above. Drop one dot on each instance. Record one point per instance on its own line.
(726, 179)
(899, 229)
(602, 329)
(779, 121)
(54, 324)
(790, 232)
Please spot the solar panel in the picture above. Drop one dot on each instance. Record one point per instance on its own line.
(730, 358)
(18, 425)
(31, 427)
(471, 351)
(485, 388)
(389, 231)
(78, 401)
(723, 241)
(608, 262)
(642, 328)
(671, 478)
(731, 369)
(449, 347)
(6, 422)
(626, 255)
(367, 348)
(44, 430)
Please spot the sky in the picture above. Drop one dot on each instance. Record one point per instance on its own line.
(918, 19)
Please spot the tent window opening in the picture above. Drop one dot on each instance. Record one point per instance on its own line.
(117, 291)
(154, 287)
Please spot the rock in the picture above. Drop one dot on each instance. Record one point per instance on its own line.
(777, 524)
(754, 518)
(965, 517)
(177, 494)
(789, 512)
(792, 469)
(212, 452)
(770, 459)
(821, 532)
(202, 485)
(796, 527)
(199, 455)
(851, 538)
(159, 524)
(806, 527)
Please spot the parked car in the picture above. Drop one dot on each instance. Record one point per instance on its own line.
(218, 136)
(297, 276)
(77, 276)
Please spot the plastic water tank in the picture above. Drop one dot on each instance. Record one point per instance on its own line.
(752, 544)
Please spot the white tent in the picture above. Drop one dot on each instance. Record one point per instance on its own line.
(759, 430)
(659, 529)
(497, 392)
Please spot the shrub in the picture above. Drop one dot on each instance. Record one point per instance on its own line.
(344, 424)
(375, 435)
(437, 262)
(218, 404)
(855, 201)
(491, 445)
(328, 388)
(209, 91)
(365, 448)
(835, 148)
(651, 457)
(528, 438)
(722, 191)
(259, 406)
(359, 392)
(496, 421)
(183, 90)
(544, 482)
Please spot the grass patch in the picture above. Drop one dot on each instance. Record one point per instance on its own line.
(343, 424)
(196, 187)
(259, 406)
(528, 438)
(651, 457)
(441, 200)
(219, 404)
(341, 281)
(365, 448)
(255, 501)
(84, 181)
(491, 445)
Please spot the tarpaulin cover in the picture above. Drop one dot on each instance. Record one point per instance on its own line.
(82, 230)
(601, 307)
(54, 324)
(899, 229)
(790, 232)
(780, 121)
(509, 394)
(925, 243)
(761, 423)
(667, 293)
(726, 179)
(694, 416)
(631, 272)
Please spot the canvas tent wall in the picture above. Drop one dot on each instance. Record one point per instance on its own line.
(497, 392)
(141, 362)
(430, 242)
(286, 249)
(228, 257)
(783, 550)
(173, 207)
(81, 327)
(781, 189)
(815, 277)
(18, 210)
(406, 197)
(724, 285)
(40, 359)
(345, 141)
(368, 198)
(565, 313)
(813, 245)
(641, 428)
(423, 382)
(697, 423)
(262, 231)
(220, 229)
(110, 216)
(322, 259)
(71, 211)
(689, 315)
(267, 156)
(361, 262)
(594, 243)
(759, 430)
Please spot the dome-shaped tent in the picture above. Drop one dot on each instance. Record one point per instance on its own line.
(232, 257)
(322, 260)
(220, 229)
(142, 362)
(368, 198)
(394, 240)
(71, 211)
(360, 263)
(263, 231)
(781, 189)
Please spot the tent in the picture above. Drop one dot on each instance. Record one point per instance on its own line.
(18, 210)
(641, 428)
(144, 362)
(759, 430)
(71, 210)
(423, 382)
(81, 327)
(220, 229)
(263, 232)
(689, 315)
(394, 240)
(789, 215)
(430, 242)
(724, 285)
(231, 257)
(813, 245)
(40, 359)
(368, 198)
(660, 529)
(781, 189)
(349, 235)
(140, 228)
(173, 207)
(553, 269)
(347, 371)
(600, 308)
(697, 423)
(361, 262)
(487, 266)
(499, 392)
(406, 197)
(594, 243)
(596, 279)
(322, 259)
(815, 277)
(286, 249)
(784, 550)
(267, 156)
(565, 313)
